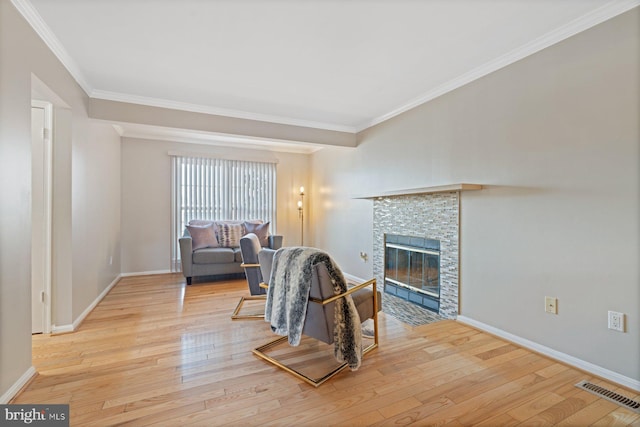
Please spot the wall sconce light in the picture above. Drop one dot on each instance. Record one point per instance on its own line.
(301, 215)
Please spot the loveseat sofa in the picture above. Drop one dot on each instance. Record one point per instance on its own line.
(212, 248)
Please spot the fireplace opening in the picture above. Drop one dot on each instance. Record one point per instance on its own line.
(412, 269)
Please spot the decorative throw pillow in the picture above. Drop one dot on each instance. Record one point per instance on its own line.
(202, 236)
(260, 230)
(200, 222)
(229, 234)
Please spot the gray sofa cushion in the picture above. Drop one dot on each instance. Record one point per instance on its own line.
(214, 256)
(237, 254)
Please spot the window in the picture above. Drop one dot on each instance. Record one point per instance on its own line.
(219, 189)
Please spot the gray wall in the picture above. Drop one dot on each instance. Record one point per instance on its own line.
(96, 213)
(555, 138)
(146, 197)
(86, 194)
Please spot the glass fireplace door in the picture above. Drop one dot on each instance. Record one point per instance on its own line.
(413, 272)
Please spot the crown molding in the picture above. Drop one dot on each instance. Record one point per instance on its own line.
(195, 108)
(34, 19)
(595, 17)
(161, 133)
(591, 19)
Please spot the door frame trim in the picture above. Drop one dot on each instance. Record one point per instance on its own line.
(48, 206)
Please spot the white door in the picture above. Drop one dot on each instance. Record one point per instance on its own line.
(40, 241)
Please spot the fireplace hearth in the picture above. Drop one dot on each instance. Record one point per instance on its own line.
(412, 269)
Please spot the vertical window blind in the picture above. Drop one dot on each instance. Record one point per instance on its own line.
(219, 189)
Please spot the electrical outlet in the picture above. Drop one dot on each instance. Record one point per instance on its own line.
(551, 305)
(616, 321)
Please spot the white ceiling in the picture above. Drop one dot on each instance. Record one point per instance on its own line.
(332, 64)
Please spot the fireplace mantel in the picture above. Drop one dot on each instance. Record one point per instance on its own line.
(425, 190)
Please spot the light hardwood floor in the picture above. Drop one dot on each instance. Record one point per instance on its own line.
(155, 351)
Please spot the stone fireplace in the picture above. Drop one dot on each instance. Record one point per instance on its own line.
(431, 214)
(428, 216)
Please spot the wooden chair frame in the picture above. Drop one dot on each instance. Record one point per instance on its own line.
(316, 382)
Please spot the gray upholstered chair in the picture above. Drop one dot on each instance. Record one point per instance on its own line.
(320, 316)
(249, 248)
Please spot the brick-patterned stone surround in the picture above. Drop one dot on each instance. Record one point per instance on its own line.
(434, 216)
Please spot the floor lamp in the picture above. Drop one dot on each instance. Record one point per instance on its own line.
(301, 215)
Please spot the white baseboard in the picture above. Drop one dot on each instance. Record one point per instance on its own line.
(64, 329)
(353, 278)
(17, 386)
(554, 354)
(147, 273)
(85, 313)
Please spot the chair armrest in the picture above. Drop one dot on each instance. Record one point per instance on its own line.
(275, 241)
(348, 292)
(243, 265)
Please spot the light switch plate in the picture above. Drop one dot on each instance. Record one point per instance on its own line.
(551, 305)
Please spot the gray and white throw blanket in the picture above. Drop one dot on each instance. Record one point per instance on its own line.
(288, 296)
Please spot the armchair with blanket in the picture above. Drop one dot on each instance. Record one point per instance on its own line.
(308, 295)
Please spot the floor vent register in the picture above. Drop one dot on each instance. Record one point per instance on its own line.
(612, 396)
